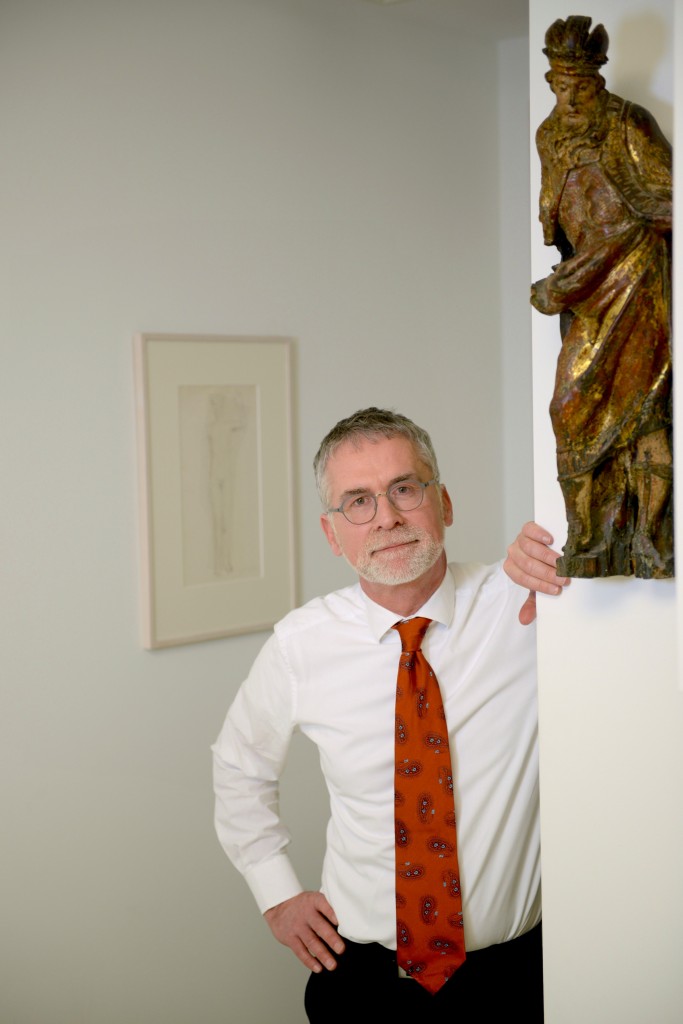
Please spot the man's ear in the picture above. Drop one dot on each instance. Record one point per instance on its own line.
(447, 506)
(328, 530)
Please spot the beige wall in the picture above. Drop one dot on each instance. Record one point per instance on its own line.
(331, 170)
(611, 708)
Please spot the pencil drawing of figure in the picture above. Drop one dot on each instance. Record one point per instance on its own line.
(221, 512)
(605, 203)
(227, 423)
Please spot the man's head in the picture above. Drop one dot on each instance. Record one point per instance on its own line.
(371, 424)
(383, 463)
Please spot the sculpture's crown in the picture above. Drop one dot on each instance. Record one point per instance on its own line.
(572, 48)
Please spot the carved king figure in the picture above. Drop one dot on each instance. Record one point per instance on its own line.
(605, 204)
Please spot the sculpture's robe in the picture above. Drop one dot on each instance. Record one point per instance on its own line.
(606, 204)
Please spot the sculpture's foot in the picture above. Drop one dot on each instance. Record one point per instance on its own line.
(582, 564)
(648, 562)
(579, 540)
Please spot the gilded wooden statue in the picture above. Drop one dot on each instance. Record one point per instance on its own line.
(605, 204)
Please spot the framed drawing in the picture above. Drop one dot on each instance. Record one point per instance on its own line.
(215, 469)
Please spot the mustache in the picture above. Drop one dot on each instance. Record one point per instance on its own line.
(398, 535)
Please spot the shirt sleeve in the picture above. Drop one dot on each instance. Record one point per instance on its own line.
(248, 758)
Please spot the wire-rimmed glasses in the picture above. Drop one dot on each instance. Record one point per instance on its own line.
(404, 496)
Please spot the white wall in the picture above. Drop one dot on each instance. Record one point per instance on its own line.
(611, 711)
(324, 169)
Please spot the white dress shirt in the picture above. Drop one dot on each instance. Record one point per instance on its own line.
(330, 670)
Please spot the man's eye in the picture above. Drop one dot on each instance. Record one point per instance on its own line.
(403, 490)
(360, 501)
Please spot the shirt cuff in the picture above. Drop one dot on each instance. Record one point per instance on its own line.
(273, 882)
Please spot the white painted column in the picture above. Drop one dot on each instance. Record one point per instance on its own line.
(611, 710)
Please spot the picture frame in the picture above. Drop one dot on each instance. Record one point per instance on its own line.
(215, 485)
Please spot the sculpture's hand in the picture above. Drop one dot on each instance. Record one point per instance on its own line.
(531, 563)
(541, 298)
(538, 293)
(307, 924)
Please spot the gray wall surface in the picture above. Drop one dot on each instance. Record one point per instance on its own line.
(339, 172)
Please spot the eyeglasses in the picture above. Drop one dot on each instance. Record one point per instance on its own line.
(404, 496)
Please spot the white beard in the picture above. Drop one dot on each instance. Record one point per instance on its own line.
(403, 566)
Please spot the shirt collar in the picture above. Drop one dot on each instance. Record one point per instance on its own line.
(440, 607)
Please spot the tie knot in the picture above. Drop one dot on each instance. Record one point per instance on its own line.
(412, 632)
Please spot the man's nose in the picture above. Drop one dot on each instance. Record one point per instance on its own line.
(387, 515)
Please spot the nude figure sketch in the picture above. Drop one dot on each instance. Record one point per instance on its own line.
(219, 480)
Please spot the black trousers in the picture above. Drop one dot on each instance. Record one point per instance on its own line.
(501, 983)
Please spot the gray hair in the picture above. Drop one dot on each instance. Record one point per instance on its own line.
(371, 424)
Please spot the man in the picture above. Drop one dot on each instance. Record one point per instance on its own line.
(605, 203)
(330, 670)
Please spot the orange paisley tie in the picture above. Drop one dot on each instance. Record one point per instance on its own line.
(429, 928)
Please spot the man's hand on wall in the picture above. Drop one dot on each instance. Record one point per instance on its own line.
(531, 564)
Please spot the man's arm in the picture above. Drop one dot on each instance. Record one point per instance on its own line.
(248, 758)
(531, 564)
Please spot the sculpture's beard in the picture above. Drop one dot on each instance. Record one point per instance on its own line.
(574, 125)
(380, 562)
(576, 130)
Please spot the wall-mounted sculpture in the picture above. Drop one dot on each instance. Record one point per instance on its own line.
(605, 204)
